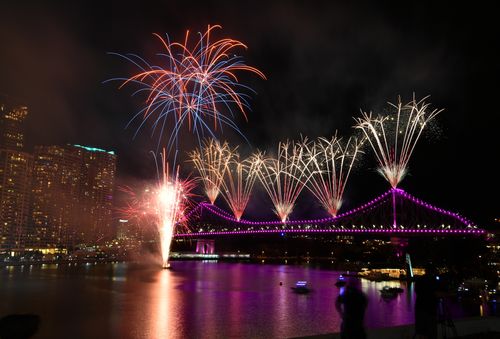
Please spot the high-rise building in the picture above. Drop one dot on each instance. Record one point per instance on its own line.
(56, 180)
(15, 183)
(72, 195)
(11, 126)
(95, 197)
(15, 179)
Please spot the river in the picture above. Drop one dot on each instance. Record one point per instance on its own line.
(194, 299)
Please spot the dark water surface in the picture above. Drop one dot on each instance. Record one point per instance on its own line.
(193, 300)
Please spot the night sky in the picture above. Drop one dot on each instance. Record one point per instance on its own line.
(324, 62)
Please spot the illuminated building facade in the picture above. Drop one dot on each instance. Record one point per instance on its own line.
(72, 195)
(15, 179)
(95, 195)
(55, 196)
(15, 183)
(11, 126)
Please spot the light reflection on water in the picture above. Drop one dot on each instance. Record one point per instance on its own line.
(193, 299)
(159, 309)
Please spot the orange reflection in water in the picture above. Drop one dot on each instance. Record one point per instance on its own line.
(161, 318)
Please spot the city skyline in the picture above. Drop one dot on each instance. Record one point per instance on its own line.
(411, 58)
(54, 198)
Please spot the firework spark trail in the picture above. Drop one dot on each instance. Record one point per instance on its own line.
(170, 204)
(211, 161)
(163, 205)
(138, 205)
(237, 183)
(283, 178)
(393, 137)
(194, 83)
(330, 164)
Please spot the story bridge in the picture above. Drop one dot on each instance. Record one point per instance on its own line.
(394, 213)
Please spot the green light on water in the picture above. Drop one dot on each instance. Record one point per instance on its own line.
(94, 149)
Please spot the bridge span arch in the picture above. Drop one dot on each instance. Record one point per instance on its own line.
(394, 213)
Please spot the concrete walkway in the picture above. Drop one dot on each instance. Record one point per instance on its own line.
(466, 328)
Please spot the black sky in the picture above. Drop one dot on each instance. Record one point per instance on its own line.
(324, 61)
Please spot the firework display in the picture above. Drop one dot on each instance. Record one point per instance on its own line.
(330, 163)
(238, 181)
(162, 205)
(192, 83)
(284, 177)
(393, 137)
(211, 161)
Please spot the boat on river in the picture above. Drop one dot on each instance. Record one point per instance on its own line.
(301, 287)
(390, 292)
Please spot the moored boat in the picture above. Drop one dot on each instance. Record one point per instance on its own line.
(389, 292)
(301, 287)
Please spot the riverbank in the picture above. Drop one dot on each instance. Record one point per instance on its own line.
(60, 262)
(173, 256)
(191, 256)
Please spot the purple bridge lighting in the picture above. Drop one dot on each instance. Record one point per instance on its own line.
(393, 213)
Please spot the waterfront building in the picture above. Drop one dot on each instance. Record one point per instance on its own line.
(72, 195)
(12, 126)
(55, 196)
(15, 179)
(15, 183)
(95, 195)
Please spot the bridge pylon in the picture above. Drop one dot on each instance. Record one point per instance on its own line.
(205, 246)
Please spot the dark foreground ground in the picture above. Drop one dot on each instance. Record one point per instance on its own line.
(467, 328)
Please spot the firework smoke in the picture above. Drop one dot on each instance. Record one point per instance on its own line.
(162, 205)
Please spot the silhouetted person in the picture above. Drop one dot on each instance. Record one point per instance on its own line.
(352, 305)
(426, 304)
(18, 326)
